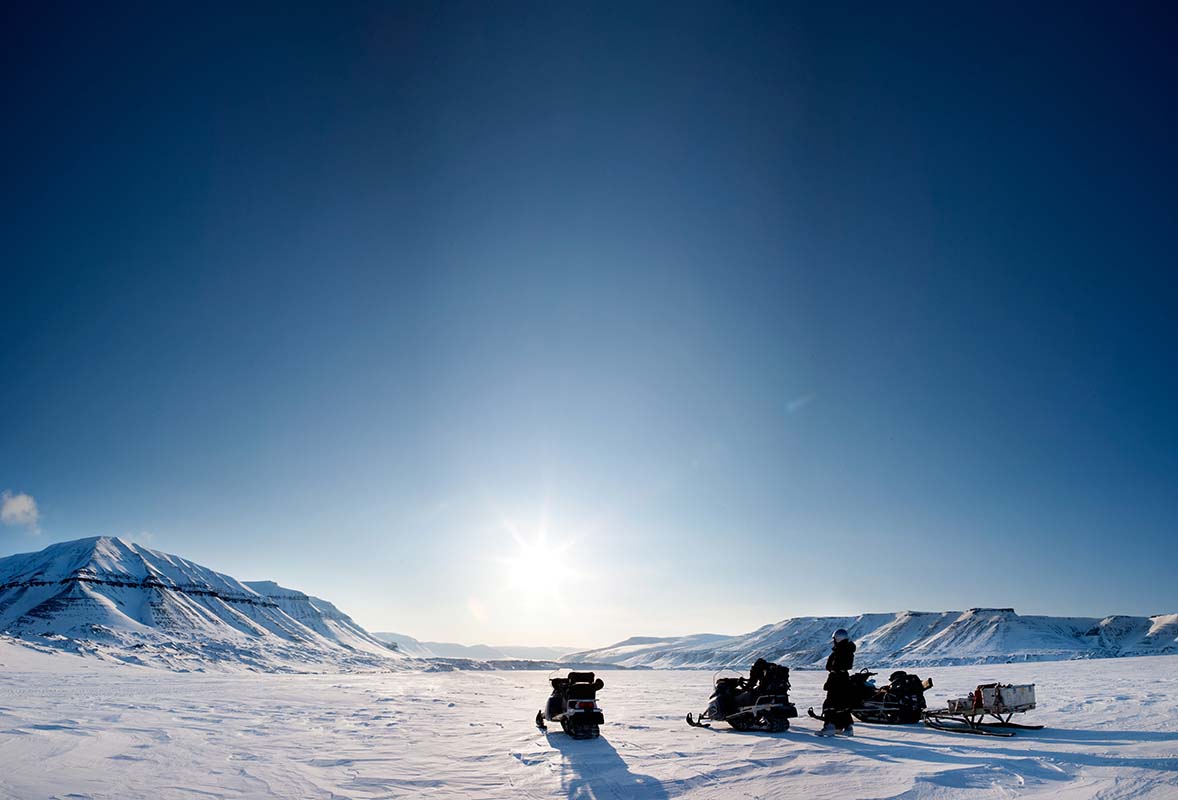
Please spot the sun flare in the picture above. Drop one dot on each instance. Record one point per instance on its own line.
(537, 561)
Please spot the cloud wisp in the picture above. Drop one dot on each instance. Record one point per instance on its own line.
(19, 510)
(798, 403)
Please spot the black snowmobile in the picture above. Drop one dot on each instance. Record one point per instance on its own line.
(759, 702)
(573, 704)
(898, 702)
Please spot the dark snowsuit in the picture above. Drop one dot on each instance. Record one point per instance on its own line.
(838, 684)
(753, 685)
(757, 676)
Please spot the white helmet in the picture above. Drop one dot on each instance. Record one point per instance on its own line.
(840, 635)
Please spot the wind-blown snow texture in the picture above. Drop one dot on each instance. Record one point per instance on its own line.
(910, 638)
(119, 732)
(117, 600)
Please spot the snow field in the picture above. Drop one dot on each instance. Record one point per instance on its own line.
(76, 727)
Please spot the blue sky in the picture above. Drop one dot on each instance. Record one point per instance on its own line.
(757, 311)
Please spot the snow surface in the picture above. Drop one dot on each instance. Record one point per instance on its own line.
(909, 638)
(79, 727)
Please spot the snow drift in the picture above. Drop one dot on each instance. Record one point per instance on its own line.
(121, 601)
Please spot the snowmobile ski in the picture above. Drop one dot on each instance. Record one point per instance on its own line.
(822, 716)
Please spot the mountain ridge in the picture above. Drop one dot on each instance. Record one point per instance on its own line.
(906, 638)
(119, 600)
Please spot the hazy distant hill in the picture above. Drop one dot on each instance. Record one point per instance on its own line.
(482, 652)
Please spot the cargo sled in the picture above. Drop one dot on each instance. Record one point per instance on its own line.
(999, 701)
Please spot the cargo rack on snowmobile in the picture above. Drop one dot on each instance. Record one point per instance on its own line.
(998, 700)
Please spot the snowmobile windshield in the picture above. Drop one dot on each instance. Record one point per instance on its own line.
(725, 675)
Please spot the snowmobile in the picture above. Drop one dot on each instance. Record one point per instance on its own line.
(899, 701)
(573, 704)
(757, 703)
(998, 700)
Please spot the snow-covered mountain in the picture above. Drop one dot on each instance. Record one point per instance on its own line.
(909, 638)
(321, 616)
(483, 652)
(122, 601)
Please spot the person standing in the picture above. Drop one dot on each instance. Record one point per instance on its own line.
(836, 709)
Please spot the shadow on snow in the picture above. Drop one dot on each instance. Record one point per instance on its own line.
(938, 753)
(593, 769)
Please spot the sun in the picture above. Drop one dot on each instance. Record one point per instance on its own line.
(537, 561)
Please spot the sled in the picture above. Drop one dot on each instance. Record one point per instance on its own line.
(990, 700)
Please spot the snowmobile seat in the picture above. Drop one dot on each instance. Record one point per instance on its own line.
(583, 685)
(582, 691)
